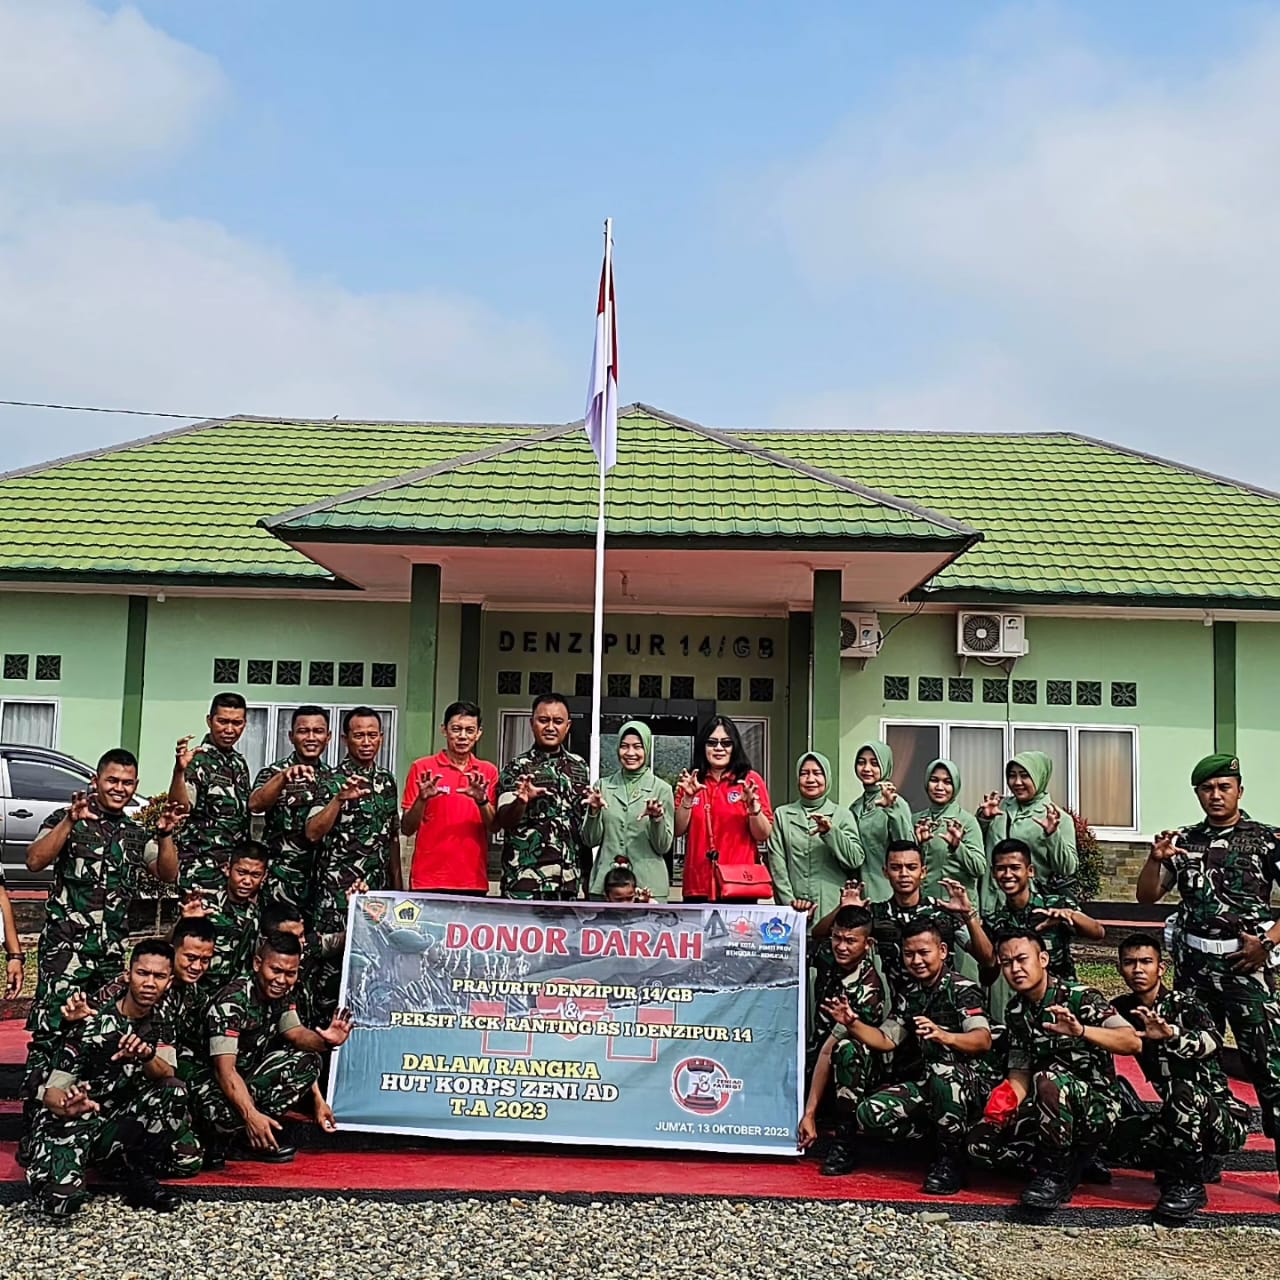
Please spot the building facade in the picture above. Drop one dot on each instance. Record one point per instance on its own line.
(820, 588)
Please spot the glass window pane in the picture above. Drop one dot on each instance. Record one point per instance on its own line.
(515, 735)
(755, 740)
(28, 723)
(979, 755)
(284, 721)
(253, 742)
(1106, 777)
(1056, 744)
(913, 746)
(36, 780)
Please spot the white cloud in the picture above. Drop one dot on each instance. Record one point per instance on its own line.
(84, 89)
(1111, 236)
(114, 303)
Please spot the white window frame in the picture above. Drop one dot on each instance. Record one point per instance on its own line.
(55, 703)
(1073, 731)
(390, 724)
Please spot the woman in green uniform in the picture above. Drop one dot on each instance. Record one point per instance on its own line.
(814, 847)
(949, 836)
(1030, 815)
(631, 815)
(881, 814)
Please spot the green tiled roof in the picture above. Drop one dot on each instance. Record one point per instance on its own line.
(671, 481)
(1064, 515)
(187, 503)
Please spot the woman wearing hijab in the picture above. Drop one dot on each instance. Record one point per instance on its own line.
(948, 836)
(881, 814)
(723, 804)
(814, 846)
(1031, 816)
(631, 817)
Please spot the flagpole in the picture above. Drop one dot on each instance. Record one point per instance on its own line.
(597, 646)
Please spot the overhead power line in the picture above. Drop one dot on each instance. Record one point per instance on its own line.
(97, 408)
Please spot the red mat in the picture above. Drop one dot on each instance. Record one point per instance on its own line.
(518, 1173)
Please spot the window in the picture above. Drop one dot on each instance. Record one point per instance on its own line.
(267, 736)
(31, 779)
(1095, 767)
(30, 723)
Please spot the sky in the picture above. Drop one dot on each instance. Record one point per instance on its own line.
(926, 215)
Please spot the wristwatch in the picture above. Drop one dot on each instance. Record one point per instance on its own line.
(1273, 952)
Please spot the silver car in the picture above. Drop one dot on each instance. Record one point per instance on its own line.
(34, 781)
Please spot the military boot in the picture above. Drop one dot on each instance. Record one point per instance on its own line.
(1183, 1195)
(142, 1191)
(1053, 1182)
(842, 1155)
(946, 1174)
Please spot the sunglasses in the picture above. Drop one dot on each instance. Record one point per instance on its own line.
(725, 743)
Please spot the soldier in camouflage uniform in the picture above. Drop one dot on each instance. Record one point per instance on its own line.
(1200, 1120)
(359, 825)
(263, 1060)
(180, 1015)
(541, 807)
(905, 869)
(1060, 1099)
(212, 780)
(940, 1039)
(234, 915)
(840, 958)
(101, 861)
(847, 987)
(1226, 945)
(112, 1099)
(287, 791)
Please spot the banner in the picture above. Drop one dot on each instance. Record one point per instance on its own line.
(620, 1025)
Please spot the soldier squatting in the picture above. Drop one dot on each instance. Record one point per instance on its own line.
(938, 1018)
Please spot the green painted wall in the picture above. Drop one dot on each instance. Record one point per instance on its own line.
(185, 635)
(1258, 711)
(1171, 662)
(738, 647)
(88, 632)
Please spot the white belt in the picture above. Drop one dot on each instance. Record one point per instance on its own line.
(1212, 946)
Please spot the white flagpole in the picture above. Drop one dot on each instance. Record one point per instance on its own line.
(597, 647)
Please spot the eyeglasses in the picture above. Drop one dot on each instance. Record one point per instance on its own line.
(725, 744)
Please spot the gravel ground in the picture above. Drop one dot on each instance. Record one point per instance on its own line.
(529, 1239)
(504, 1240)
(997, 1252)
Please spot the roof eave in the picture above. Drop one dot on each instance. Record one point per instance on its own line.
(991, 596)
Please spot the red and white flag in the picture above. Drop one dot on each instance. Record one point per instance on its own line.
(602, 390)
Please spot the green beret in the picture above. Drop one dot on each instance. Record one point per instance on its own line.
(1218, 766)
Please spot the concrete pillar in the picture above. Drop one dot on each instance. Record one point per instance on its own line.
(1224, 687)
(799, 653)
(418, 736)
(827, 594)
(135, 665)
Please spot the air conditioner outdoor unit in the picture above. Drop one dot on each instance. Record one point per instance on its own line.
(991, 635)
(859, 635)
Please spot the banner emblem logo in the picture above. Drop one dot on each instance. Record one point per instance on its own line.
(703, 1086)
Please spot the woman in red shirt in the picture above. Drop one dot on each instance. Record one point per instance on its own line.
(722, 804)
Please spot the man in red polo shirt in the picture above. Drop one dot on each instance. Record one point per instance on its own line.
(448, 804)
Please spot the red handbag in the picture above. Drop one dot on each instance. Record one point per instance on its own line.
(739, 882)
